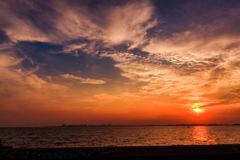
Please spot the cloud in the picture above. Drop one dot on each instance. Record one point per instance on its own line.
(83, 80)
(75, 22)
(19, 28)
(185, 66)
(115, 24)
(159, 75)
(20, 85)
(124, 25)
(204, 54)
(74, 47)
(189, 46)
(7, 60)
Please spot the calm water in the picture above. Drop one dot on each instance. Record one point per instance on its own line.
(119, 136)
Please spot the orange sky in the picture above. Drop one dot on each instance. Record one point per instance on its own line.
(119, 62)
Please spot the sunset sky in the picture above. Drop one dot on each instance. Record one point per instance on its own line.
(119, 62)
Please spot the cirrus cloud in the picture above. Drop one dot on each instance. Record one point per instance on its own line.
(83, 80)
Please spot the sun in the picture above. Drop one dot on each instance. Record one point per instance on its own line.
(197, 110)
(196, 107)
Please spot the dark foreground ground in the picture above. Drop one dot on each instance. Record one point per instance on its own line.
(216, 152)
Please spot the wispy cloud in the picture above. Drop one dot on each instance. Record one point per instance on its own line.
(114, 25)
(19, 28)
(83, 80)
(123, 25)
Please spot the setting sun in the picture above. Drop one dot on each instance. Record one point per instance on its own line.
(197, 110)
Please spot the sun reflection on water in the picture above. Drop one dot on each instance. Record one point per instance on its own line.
(201, 135)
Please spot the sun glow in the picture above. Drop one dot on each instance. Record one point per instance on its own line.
(196, 107)
(197, 110)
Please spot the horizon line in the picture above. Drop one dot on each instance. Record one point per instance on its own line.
(118, 125)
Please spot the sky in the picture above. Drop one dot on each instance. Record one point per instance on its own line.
(119, 62)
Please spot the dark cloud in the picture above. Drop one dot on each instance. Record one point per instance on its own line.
(236, 63)
(214, 17)
(217, 73)
(224, 96)
(3, 37)
(236, 91)
(139, 52)
(191, 67)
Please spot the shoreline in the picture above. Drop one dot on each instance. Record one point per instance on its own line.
(222, 151)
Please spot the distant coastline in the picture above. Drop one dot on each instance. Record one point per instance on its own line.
(110, 125)
(113, 125)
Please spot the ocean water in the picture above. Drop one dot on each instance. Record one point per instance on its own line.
(58, 137)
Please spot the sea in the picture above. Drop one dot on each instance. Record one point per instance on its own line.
(105, 136)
